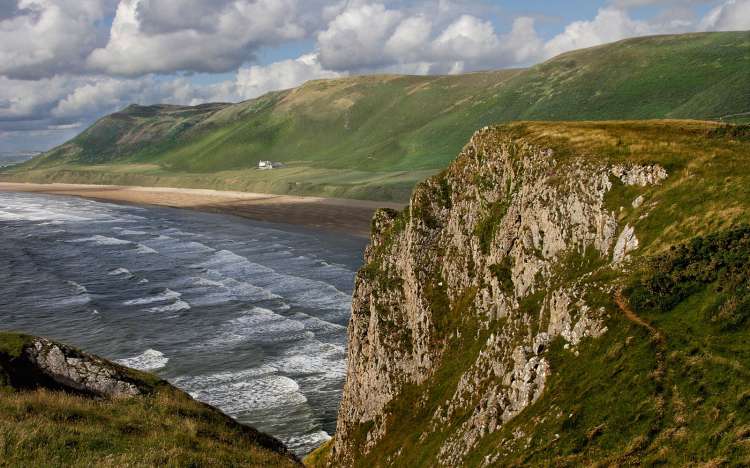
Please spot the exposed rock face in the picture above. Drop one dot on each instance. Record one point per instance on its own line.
(45, 363)
(484, 262)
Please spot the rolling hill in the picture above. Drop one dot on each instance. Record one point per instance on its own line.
(374, 137)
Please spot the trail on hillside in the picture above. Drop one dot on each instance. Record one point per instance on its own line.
(630, 314)
(660, 375)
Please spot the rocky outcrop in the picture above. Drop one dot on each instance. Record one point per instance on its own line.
(487, 268)
(47, 364)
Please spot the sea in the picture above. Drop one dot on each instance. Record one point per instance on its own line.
(247, 316)
(11, 159)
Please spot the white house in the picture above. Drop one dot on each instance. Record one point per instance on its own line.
(265, 165)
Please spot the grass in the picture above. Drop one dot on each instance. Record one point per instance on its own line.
(12, 344)
(43, 428)
(375, 137)
(163, 426)
(687, 400)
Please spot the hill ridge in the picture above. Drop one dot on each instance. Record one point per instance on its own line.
(374, 137)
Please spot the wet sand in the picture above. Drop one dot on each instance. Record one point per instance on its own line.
(331, 214)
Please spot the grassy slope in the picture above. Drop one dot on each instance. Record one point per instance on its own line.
(375, 136)
(164, 428)
(687, 377)
(628, 396)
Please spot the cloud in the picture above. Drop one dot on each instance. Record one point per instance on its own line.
(355, 38)
(254, 81)
(642, 3)
(610, 24)
(64, 63)
(408, 39)
(373, 37)
(41, 38)
(257, 80)
(150, 36)
(734, 15)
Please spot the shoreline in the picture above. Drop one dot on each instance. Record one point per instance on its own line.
(346, 216)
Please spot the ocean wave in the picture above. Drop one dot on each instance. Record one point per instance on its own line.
(214, 288)
(177, 306)
(100, 240)
(257, 325)
(314, 357)
(149, 360)
(239, 392)
(304, 443)
(120, 272)
(303, 292)
(78, 288)
(164, 296)
(129, 232)
(142, 249)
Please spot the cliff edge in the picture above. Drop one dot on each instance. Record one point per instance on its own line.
(62, 406)
(514, 313)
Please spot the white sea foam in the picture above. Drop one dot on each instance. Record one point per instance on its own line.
(130, 232)
(164, 296)
(100, 240)
(142, 249)
(214, 288)
(301, 291)
(239, 392)
(169, 245)
(78, 295)
(313, 357)
(150, 360)
(78, 288)
(40, 215)
(177, 306)
(317, 325)
(257, 325)
(120, 272)
(306, 441)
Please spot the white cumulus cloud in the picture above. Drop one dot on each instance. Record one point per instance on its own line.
(40, 38)
(218, 40)
(734, 15)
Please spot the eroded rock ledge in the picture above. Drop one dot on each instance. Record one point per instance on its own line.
(42, 363)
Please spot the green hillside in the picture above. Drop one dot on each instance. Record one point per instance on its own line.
(468, 344)
(376, 136)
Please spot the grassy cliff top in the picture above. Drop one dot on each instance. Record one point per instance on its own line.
(376, 136)
(163, 426)
(666, 382)
(708, 164)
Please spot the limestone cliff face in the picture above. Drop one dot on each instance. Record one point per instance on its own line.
(467, 288)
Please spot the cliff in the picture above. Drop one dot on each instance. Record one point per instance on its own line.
(515, 313)
(62, 406)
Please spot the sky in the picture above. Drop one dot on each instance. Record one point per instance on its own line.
(66, 63)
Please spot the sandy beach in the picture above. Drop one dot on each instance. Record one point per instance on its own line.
(332, 214)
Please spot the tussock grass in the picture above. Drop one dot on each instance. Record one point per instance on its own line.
(44, 428)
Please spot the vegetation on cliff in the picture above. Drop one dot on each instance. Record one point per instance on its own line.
(374, 137)
(54, 415)
(565, 293)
